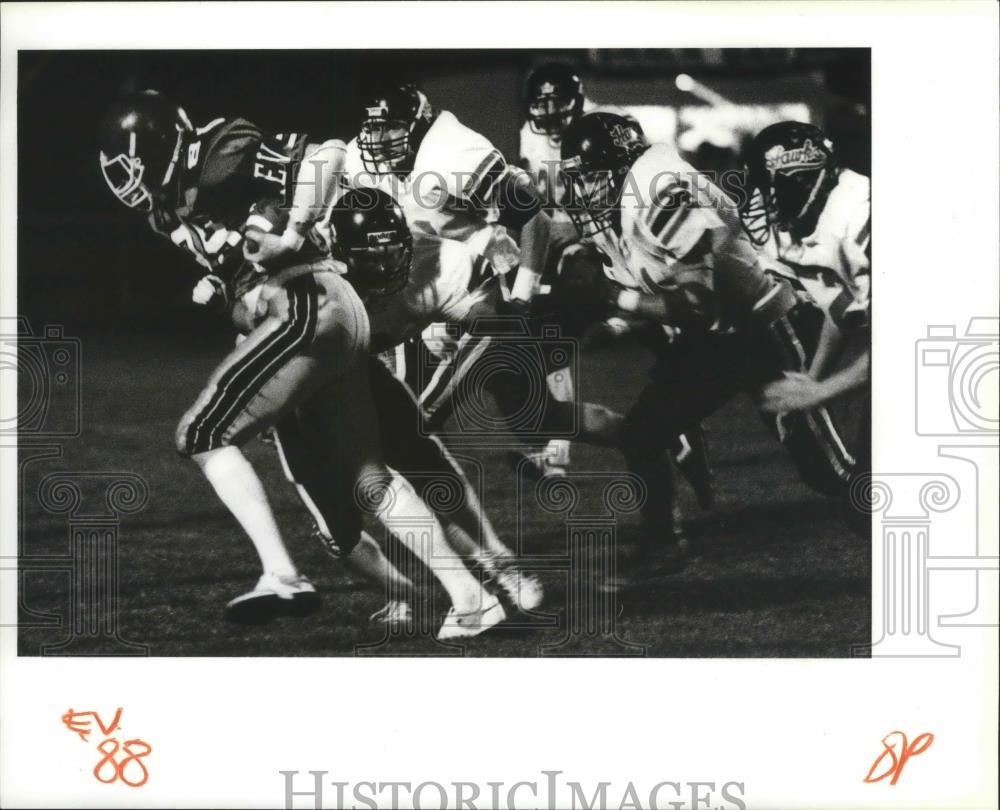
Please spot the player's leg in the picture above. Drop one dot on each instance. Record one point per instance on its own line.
(311, 468)
(440, 481)
(231, 409)
(351, 420)
(694, 376)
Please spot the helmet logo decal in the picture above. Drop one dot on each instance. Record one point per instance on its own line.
(547, 88)
(778, 159)
(621, 135)
(379, 111)
(194, 151)
(378, 238)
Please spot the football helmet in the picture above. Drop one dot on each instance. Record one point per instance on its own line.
(393, 125)
(553, 99)
(791, 168)
(142, 136)
(596, 154)
(372, 238)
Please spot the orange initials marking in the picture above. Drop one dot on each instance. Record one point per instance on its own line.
(898, 751)
(130, 769)
(74, 722)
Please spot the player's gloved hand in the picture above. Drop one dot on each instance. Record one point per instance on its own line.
(209, 289)
(796, 392)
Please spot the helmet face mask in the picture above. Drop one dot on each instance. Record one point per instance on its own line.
(384, 145)
(380, 269)
(141, 142)
(123, 174)
(593, 198)
(597, 153)
(554, 100)
(392, 128)
(550, 115)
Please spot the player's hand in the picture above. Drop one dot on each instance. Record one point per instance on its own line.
(262, 248)
(208, 289)
(797, 392)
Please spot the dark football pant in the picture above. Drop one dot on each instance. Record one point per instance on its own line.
(697, 374)
(513, 370)
(303, 370)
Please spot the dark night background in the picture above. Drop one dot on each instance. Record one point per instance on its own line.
(89, 263)
(778, 573)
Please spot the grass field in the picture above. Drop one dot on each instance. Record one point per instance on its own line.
(776, 571)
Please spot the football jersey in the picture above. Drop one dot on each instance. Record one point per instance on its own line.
(678, 233)
(231, 170)
(446, 280)
(448, 193)
(833, 262)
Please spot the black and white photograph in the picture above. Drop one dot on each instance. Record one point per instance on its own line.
(487, 352)
(481, 404)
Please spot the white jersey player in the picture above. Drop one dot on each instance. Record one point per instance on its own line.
(812, 215)
(815, 218)
(676, 248)
(409, 280)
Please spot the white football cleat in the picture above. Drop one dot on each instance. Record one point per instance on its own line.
(394, 614)
(523, 590)
(274, 595)
(467, 625)
(552, 460)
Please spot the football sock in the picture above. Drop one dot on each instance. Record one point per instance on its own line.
(238, 487)
(412, 522)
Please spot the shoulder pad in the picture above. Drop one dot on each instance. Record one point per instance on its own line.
(463, 160)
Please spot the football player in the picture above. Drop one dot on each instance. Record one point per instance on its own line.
(453, 183)
(302, 366)
(409, 280)
(815, 217)
(676, 250)
(554, 98)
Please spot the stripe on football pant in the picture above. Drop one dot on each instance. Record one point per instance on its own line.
(248, 374)
(451, 371)
(818, 419)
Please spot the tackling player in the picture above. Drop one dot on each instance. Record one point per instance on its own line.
(677, 252)
(452, 183)
(302, 367)
(815, 217)
(409, 280)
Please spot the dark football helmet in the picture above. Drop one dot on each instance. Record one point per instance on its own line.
(142, 136)
(596, 154)
(791, 168)
(553, 99)
(372, 238)
(394, 123)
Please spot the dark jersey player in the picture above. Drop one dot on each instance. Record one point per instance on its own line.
(242, 203)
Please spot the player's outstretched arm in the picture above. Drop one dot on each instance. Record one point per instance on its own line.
(315, 186)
